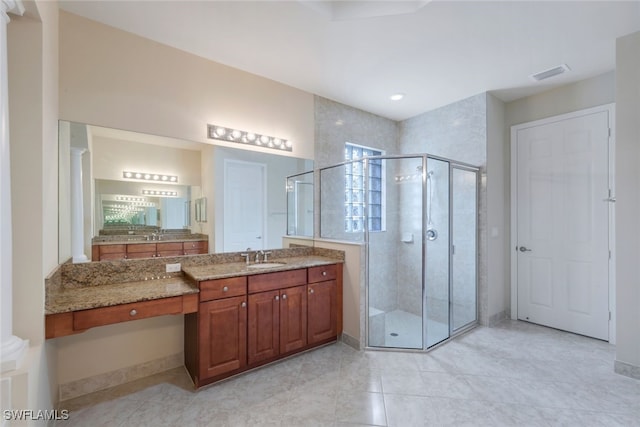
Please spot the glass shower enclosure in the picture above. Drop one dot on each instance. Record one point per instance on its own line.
(417, 216)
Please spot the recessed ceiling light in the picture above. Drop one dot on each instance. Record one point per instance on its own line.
(396, 96)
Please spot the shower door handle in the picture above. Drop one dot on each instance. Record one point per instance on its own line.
(524, 249)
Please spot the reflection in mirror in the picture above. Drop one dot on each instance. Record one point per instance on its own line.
(119, 204)
(122, 204)
(201, 209)
(300, 205)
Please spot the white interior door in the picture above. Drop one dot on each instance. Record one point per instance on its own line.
(562, 240)
(244, 205)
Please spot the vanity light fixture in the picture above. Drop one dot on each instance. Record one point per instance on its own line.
(249, 138)
(130, 199)
(145, 176)
(163, 193)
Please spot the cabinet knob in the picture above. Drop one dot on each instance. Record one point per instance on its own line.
(310, 291)
(244, 304)
(277, 297)
(324, 273)
(225, 289)
(284, 296)
(133, 312)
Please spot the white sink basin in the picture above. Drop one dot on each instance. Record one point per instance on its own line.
(265, 265)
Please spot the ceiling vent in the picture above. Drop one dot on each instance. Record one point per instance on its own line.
(542, 75)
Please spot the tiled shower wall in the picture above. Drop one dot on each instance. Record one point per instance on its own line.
(457, 131)
(336, 124)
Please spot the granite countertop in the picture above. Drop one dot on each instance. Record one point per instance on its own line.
(233, 269)
(87, 297)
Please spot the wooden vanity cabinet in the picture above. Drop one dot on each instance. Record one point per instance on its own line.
(105, 252)
(222, 334)
(108, 252)
(322, 303)
(169, 249)
(195, 247)
(277, 323)
(216, 336)
(247, 321)
(141, 250)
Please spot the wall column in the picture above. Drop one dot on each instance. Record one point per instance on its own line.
(12, 348)
(77, 206)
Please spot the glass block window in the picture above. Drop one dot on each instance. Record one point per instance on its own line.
(354, 190)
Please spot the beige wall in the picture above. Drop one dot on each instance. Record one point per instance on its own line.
(110, 348)
(33, 105)
(115, 79)
(628, 204)
(353, 287)
(497, 212)
(111, 157)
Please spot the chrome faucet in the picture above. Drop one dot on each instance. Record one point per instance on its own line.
(246, 257)
(258, 256)
(264, 255)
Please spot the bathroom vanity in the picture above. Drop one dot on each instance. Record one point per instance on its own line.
(249, 320)
(237, 315)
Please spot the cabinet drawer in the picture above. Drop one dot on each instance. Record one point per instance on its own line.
(281, 279)
(141, 247)
(112, 249)
(199, 244)
(322, 273)
(223, 288)
(173, 246)
(86, 319)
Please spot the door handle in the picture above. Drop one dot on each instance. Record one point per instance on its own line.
(524, 249)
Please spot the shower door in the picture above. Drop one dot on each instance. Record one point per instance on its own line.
(438, 248)
(464, 216)
(394, 207)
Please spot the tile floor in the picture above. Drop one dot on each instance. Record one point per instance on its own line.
(515, 374)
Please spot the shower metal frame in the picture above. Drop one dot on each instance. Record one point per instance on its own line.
(425, 158)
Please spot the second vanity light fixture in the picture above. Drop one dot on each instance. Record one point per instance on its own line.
(145, 176)
(249, 138)
(160, 193)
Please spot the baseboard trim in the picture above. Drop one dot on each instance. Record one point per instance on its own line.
(627, 369)
(99, 382)
(350, 341)
(497, 318)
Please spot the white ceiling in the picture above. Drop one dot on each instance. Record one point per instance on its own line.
(359, 53)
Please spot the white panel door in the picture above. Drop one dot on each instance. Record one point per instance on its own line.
(244, 206)
(563, 225)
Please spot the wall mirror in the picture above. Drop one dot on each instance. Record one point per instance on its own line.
(300, 196)
(137, 186)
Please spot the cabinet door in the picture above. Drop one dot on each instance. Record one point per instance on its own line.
(109, 252)
(195, 248)
(169, 249)
(322, 311)
(222, 336)
(141, 250)
(264, 326)
(293, 319)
